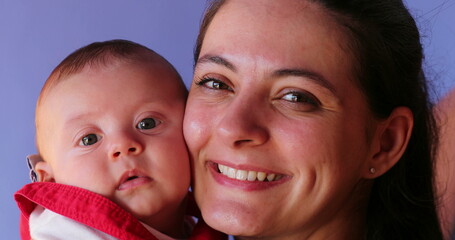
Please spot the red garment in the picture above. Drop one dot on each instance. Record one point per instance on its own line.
(92, 210)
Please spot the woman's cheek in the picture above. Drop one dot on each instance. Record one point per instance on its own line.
(195, 128)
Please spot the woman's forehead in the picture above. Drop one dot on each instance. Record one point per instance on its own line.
(283, 10)
(306, 38)
(280, 9)
(274, 26)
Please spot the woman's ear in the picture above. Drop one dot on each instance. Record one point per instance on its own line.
(390, 142)
(44, 172)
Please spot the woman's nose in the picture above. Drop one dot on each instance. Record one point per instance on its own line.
(125, 144)
(242, 124)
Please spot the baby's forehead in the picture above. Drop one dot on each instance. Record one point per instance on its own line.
(132, 77)
(93, 68)
(161, 79)
(151, 81)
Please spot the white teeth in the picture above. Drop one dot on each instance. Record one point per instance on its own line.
(241, 175)
(231, 172)
(252, 175)
(261, 176)
(248, 175)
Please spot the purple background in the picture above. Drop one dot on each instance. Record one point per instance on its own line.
(36, 35)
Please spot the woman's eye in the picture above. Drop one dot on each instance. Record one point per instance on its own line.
(301, 97)
(213, 83)
(89, 139)
(147, 123)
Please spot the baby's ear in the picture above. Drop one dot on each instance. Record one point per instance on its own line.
(390, 142)
(44, 172)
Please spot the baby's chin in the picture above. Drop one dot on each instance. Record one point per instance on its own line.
(159, 218)
(154, 208)
(145, 207)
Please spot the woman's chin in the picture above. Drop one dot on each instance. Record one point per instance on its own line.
(233, 218)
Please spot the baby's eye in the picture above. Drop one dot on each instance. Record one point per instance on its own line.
(148, 123)
(89, 139)
(213, 83)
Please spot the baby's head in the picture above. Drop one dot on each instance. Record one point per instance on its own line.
(109, 119)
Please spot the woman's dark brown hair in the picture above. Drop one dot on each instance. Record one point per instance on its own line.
(386, 44)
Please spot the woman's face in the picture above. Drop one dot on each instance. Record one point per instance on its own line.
(277, 129)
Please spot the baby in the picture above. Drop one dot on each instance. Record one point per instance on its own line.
(109, 120)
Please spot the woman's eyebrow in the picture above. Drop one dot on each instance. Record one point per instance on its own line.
(297, 72)
(311, 75)
(217, 60)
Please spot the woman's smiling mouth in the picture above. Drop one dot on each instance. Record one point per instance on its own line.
(248, 180)
(246, 175)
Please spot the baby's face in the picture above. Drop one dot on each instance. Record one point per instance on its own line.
(117, 131)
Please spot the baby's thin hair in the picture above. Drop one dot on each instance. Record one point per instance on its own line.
(98, 54)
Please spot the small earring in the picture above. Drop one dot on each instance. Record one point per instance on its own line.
(372, 170)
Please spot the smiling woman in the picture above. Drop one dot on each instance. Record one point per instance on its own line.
(302, 121)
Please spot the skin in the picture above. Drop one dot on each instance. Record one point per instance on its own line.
(107, 104)
(445, 111)
(273, 92)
